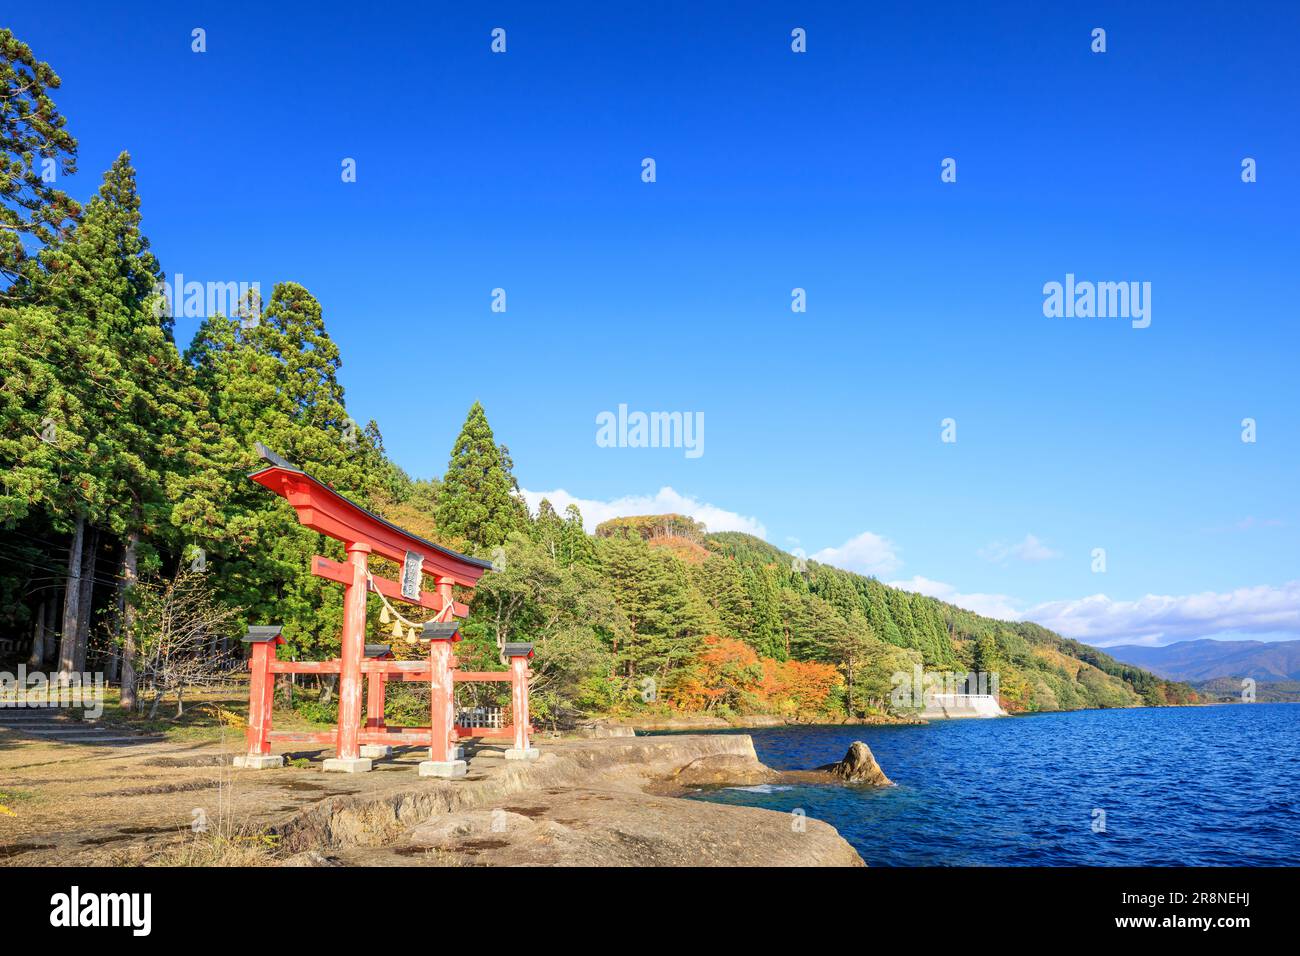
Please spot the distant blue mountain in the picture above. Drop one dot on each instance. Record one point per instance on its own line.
(1207, 659)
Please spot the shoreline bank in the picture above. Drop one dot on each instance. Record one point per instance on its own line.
(759, 722)
(610, 802)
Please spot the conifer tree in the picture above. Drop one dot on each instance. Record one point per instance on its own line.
(548, 529)
(578, 547)
(116, 360)
(273, 378)
(724, 591)
(479, 501)
(35, 150)
(666, 616)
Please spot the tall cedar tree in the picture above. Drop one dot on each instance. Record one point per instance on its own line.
(35, 150)
(479, 502)
(34, 345)
(273, 379)
(123, 444)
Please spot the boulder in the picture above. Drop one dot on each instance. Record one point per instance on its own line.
(725, 770)
(600, 730)
(858, 766)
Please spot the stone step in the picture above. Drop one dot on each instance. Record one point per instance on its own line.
(33, 715)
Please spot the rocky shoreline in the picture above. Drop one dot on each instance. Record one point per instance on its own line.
(613, 726)
(729, 770)
(584, 802)
(611, 802)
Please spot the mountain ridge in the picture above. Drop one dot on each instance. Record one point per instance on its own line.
(1206, 659)
(1039, 669)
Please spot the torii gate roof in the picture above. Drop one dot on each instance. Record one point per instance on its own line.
(323, 509)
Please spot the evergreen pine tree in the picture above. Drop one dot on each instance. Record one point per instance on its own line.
(128, 440)
(274, 380)
(33, 142)
(479, 501)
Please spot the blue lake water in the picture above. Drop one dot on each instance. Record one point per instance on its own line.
(1203, 786)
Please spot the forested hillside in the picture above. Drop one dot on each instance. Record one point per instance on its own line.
(125, 461)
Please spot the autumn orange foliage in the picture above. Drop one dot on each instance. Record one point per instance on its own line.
(729, 673)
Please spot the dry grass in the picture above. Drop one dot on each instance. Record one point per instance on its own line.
(216, 849)
(208, 848)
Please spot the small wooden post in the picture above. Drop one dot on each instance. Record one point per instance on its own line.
(376, 686)
(264, 639)
(519, 655)
(375, 701)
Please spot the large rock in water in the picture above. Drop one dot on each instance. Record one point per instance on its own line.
(859, 766)
(725, 770)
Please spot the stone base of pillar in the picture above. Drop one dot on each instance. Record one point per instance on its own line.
(514, 753)
(259, 761)
(443, 768)
(375, 751)
(348, 764)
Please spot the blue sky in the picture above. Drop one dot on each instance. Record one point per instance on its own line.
(777, 170)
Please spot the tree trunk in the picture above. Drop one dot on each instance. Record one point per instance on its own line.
(128, 621)
(86, 598)
(36, 660)
(51, 647)
(119, 609)
(71, 597)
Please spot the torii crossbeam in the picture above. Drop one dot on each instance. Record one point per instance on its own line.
(363, 533)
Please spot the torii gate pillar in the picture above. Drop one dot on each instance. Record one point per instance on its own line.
(353, 648)
(362, 532)
(442, 760)
(520, 654)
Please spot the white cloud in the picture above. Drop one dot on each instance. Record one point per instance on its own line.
(1030, 549)
(664, 501)
(1153, 619)
(1262, 610)
(998, 606)
(1164, 619)
(868, 553)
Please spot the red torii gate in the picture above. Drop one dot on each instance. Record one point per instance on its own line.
(363, 533)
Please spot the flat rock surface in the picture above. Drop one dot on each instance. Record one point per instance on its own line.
(592, 802)
(596, 827)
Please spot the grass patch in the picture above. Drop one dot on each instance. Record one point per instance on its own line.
(208, 716)
(220, 849)
(216, 847)
(10, 799)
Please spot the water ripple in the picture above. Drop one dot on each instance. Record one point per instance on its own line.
(1213, 786)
